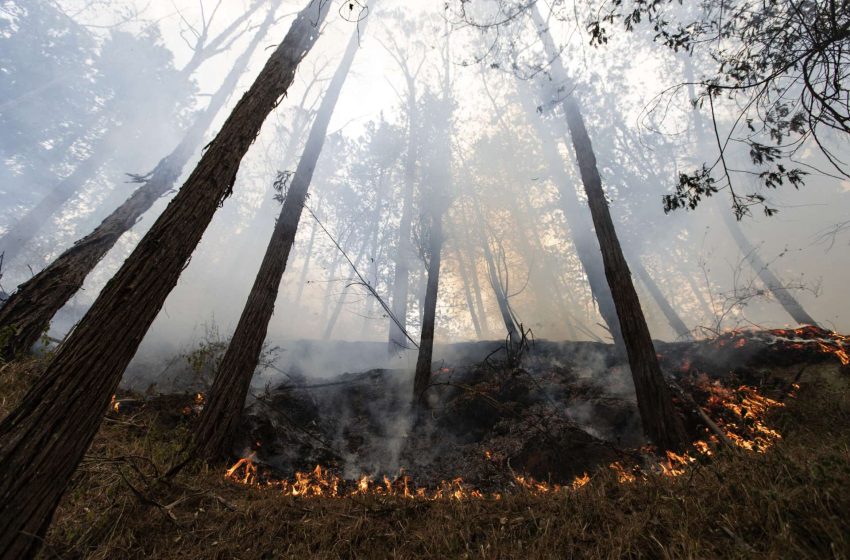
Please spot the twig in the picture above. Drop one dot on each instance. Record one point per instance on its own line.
(363, 281)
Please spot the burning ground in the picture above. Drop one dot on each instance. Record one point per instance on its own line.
(533, 460)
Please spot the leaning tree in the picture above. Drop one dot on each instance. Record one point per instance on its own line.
(223, 410)
(44, 439)
(28, 312)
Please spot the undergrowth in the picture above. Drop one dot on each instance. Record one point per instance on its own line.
(790, 502)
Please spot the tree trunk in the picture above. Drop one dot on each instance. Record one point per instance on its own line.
(218, 423)
(28, 312)
(401, 283)
(676, 322)
(43, 440)
(660, 421)
(785, 298)
(422, 377)
(470, 304)
(27, 227)
(580, 228)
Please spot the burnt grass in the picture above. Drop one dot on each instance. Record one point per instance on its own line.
(551, 418)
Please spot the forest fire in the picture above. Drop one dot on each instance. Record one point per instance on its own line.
(808, 336)
(740, 414)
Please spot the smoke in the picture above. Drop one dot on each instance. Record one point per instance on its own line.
(128, 79)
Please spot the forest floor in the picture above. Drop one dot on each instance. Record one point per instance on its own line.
(788, 501)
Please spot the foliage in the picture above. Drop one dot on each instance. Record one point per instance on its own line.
(204, 360)
(782, 64)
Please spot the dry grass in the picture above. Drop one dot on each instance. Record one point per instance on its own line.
(792, 502)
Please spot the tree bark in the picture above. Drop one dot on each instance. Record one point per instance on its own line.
(422, 377)
(43, 440)
(30, 309)
(218, 423)
(658, 416)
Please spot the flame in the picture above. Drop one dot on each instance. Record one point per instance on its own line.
(580, 481)
(623, 476)
(739, 412)
(323, 482)
(824, 341)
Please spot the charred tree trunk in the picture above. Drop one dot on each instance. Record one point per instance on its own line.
(422, 377)
(219, 420)
(658, 416)
(43, 440)
(29, 311)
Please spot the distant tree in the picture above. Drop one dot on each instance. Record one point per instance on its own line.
(137, 100)
(411, 65)
(37, 135)
(30, 309)
(437, 112)
(223, 410)
(43, 440)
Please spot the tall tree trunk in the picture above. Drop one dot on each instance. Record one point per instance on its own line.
(580, 228)
(470, 304)
(676, 322)
(43, 440)
(658, 416)
(28, 312)
(401, 283)
(422, 377)
(220, 418)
